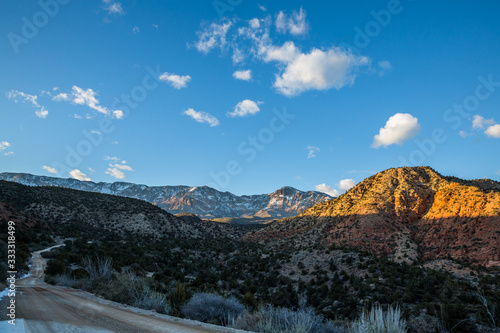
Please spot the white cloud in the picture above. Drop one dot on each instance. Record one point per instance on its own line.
(49, 169)
(398, 129)
(136, 30)
(176, 81)
(155, 26)
(479, 121)
(121, 166)
(202, 117)
(42, 113)
(111, 158)
(115, 173)
(238, 56)
(297, 71)
(17, 96)
(8, 153)
(245, 75)
(116, 170)
(493, 131)
(213, 36)
(285, 53)
(319, 70)
(88, 98)
(312, 151)
(346, 184)
(245, 108)
(118, 114)
(295, 24)
(492, 128)
(327, 189)
(91, 170)
(113, 7)
(77, 174)
(4, 145)
(264, 9)
(254, 23)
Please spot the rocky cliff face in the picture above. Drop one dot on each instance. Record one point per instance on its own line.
(203, 201)
(407, 213)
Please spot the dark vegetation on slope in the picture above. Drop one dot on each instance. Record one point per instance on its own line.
(157, 252)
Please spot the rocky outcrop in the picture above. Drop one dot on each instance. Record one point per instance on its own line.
(408, 213)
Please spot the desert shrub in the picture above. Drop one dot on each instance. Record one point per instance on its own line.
(378, 321)
(213, 308)
(270, 319)
(101, 268)
(131, 289)
(64, 280)
(178, 298)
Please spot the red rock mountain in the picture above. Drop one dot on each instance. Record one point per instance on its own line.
(407, 213)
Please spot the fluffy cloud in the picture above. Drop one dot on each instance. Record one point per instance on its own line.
(327, 189)
(312, 151)
(295, 24)
(245, 75)
(4, 145)
(346, 184)
(88, 98)
(285, 53)
(50, 169)
(113, 7)
(77, 174)
(17, 96)
(176, 81)
(493, 131)
(116, 170)
(319, 70)
(297, 71)
(398, 129)
(115, 173)
(244, 108)
(490, 127)
(479, 121)
(202, 117)
(254, 23)
(213, 36)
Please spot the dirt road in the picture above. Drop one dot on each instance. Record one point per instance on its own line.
(46, 308)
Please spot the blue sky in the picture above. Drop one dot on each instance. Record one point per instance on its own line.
(249, 96)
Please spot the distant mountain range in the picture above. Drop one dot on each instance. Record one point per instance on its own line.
(204, 201)
(410, 214)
